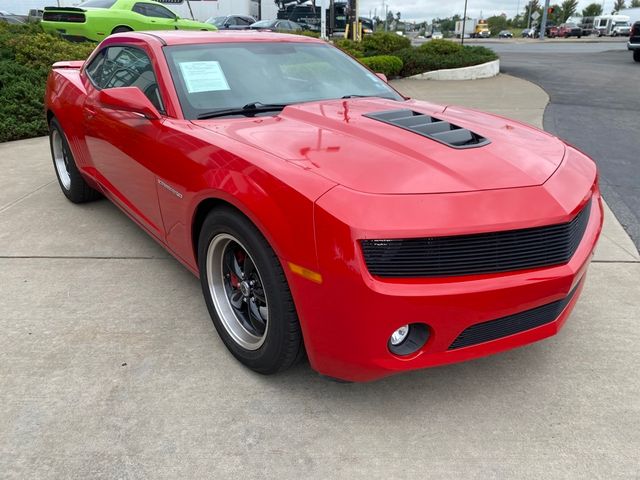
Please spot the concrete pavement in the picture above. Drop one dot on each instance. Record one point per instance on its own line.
(110, 366)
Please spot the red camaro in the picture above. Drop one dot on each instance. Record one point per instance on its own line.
(324, 212)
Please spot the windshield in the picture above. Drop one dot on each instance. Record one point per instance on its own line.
(98, 3)
(221, 76)
(263, 23)
(218, 21)
(621, 24)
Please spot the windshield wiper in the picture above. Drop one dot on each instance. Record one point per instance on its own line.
(367, 96)
(249, 109)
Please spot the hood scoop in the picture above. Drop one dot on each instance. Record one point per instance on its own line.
(433, 128)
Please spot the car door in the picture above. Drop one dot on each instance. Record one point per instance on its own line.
(157, 17)
(122, 146)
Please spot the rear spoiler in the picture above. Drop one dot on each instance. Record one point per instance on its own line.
(64, 9)
(73, 64)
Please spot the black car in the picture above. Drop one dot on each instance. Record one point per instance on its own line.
(634, 41)
(232, 22)
(505, 34)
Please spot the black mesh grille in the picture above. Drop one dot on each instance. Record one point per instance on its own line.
(430, 127)
(476, 254)
(516, 323)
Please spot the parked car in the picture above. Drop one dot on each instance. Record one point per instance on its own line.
(634, 41)
(232, 22)
(529, 33)
(436, 35)
(566, 30)
(35, 15)
(621, 29)
(97, 19)
(277, 25)
(322, 211)
(10, 18)
(505, 34)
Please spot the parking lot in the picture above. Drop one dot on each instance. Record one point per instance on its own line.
(111, 366)
(594, 104)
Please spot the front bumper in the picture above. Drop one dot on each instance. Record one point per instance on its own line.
(348, 318)
(633, 46)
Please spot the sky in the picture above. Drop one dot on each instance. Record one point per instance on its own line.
(414, 10)
(420, 10)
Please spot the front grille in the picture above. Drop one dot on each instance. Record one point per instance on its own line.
(478, 253)
(63, 17)
(512, 324)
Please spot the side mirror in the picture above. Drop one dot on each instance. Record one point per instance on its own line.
(128, 99)
(382, 77)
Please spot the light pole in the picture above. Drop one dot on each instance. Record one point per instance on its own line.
(543, 25)
(464, 22)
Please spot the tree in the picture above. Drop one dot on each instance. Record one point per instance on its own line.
(617, 6)
(592, 10)
(532, 6)
(568, 9)
(497, 23)
(634, 4)
(390, 17)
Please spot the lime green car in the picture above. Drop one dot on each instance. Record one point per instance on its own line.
(97, 19)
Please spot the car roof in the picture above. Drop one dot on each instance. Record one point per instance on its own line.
(183, 37)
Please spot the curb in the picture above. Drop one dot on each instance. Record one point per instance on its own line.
(484, 70)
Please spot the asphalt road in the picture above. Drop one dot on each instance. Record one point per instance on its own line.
(594, 105)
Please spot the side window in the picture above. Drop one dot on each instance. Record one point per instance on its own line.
(151, 10)
(94, 69)
(243, 21)
(140, 8)
(126, 67)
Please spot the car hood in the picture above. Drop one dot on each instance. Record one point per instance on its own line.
(336, 140)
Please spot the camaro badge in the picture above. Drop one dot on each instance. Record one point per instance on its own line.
(170, 188)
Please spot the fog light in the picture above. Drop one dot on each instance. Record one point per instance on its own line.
(399, 335)
(408, 339)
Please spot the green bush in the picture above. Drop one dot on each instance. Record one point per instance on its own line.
(389, 65)
(309, 33)
(354, 49)
(306, 33)
(441, 47)
(26, 56)
(21, 96)
(42, 50)
(416, 60)
(383, 43)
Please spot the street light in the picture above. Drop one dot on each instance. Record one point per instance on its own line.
(464, 22)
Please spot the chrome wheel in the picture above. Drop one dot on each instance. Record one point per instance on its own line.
(60, 159)
(237, 291)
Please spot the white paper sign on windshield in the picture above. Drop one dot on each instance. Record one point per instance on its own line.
(203, 77)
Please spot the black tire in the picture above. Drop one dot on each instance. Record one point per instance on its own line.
(74, 186)
(121, 29)
(636, 55)
(283, 345)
